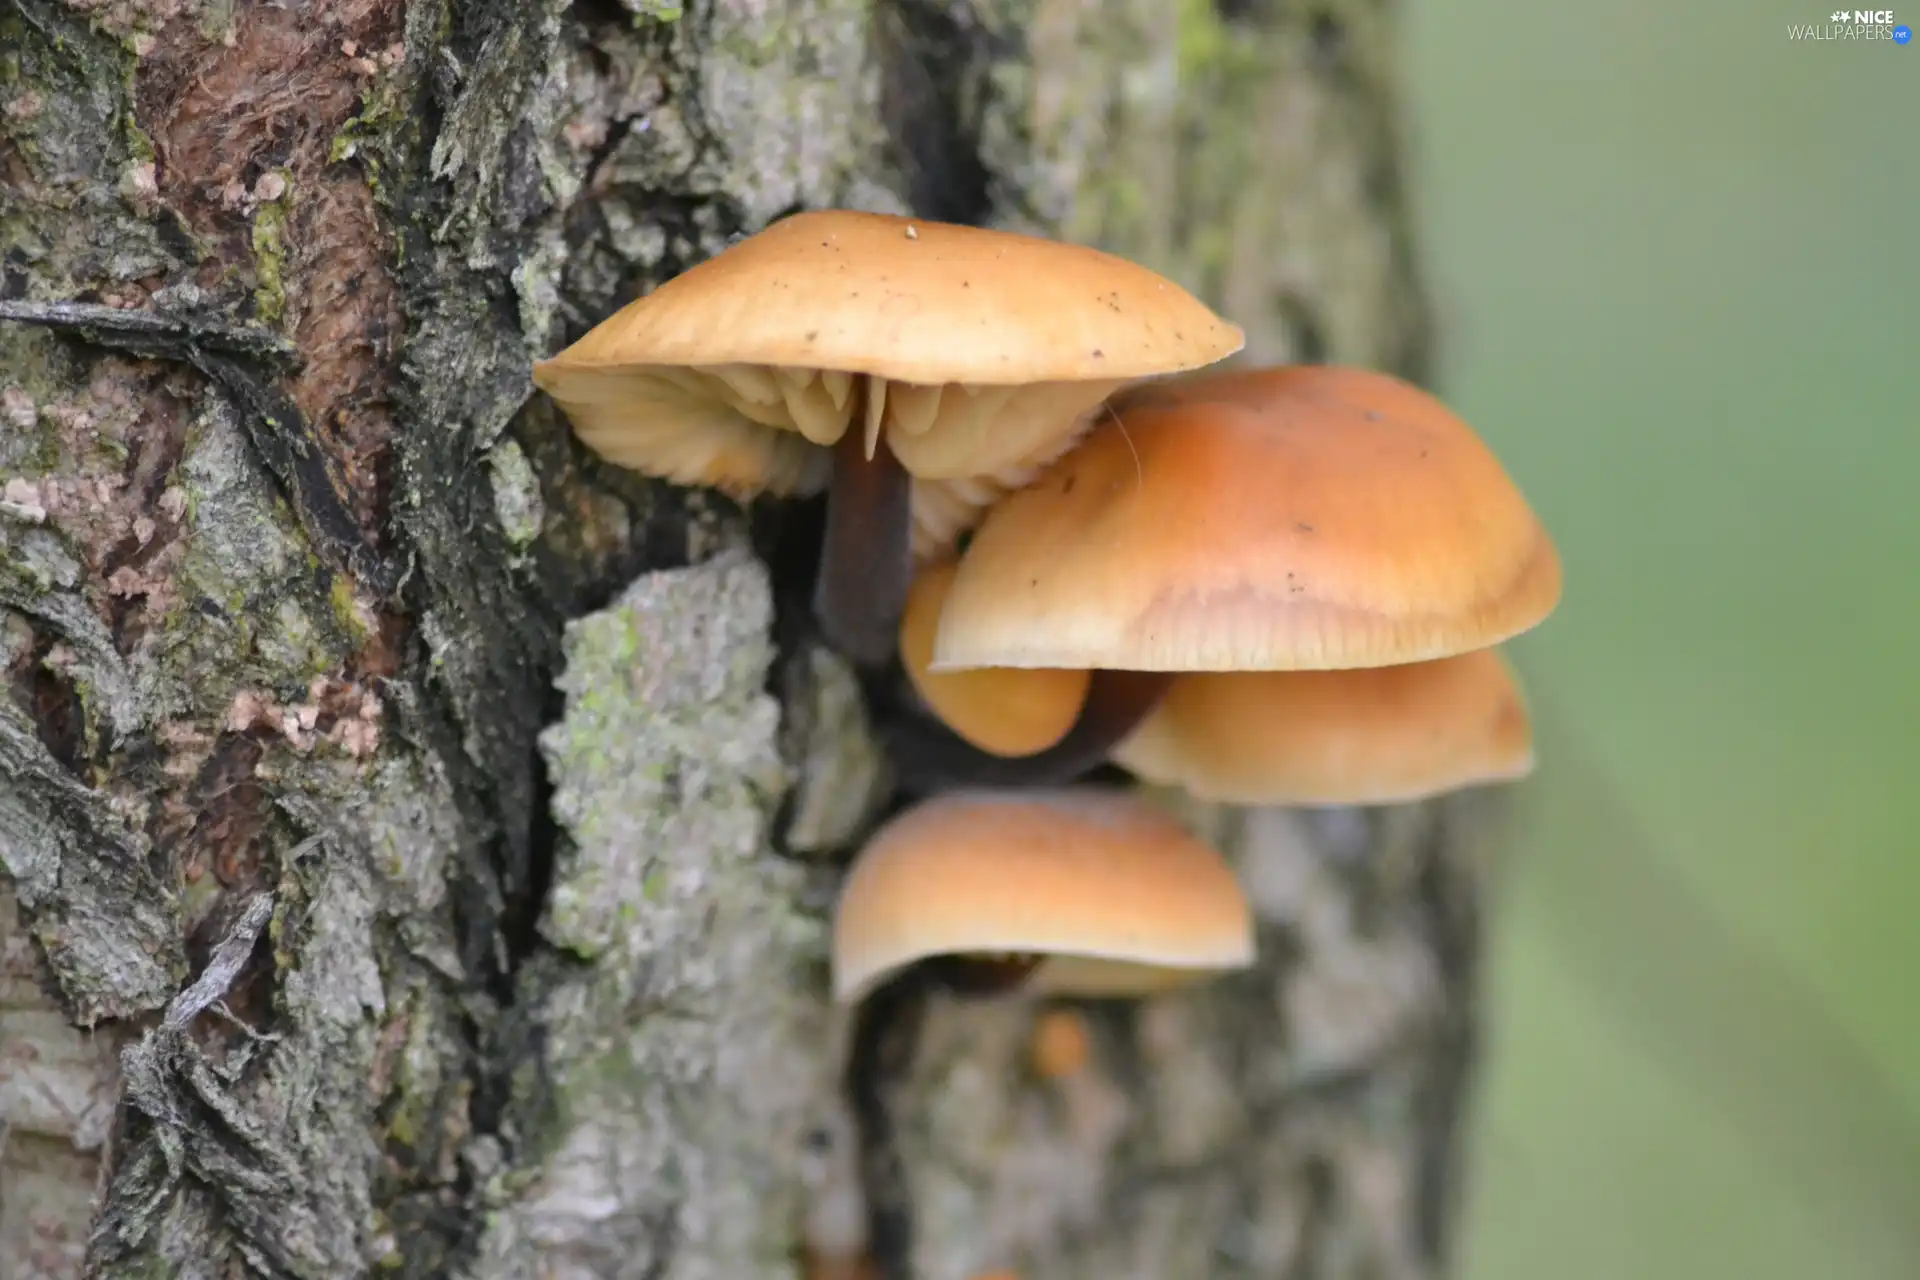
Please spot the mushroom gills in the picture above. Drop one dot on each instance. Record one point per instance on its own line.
(944, 510)
(671, 424)
(892, 428)
(749, 429)
(959, 431)
(785, 430)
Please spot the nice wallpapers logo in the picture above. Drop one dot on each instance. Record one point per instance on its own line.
(1854, 24)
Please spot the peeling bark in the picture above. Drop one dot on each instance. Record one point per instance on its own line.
(416, 838)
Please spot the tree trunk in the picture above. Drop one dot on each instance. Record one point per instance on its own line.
(419, 837)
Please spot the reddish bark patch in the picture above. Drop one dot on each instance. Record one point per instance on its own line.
(244, 125)
(379, 659)
(227, 811)
(348, 323)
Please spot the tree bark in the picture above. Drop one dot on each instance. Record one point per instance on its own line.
(419, 837)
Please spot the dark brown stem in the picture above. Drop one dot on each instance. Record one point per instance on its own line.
(866, 560)
(930, 756)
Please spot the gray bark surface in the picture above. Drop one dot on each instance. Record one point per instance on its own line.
(417, 839)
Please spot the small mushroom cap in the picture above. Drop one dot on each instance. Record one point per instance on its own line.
(1007, 711)
(914, 301)
(1062, 1045)
(1115, 892)
(1314, 518)
(982, 354)
(1383, 735)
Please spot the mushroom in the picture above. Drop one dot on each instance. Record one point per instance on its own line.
(1062, 1045)
(1296, 519)
(1004, 711)
(1380, 735)
(1071, 892)
(871, 352)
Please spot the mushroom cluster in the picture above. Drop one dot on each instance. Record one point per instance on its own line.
(1264, 586)
(1271, 586)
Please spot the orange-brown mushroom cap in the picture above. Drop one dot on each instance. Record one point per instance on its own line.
(1382, 735)
(1115, 895)
(1006, 711)
(1317, 518)
(1062, 1045)
(981, 349)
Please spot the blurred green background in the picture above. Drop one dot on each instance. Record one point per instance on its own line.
(1677, 257)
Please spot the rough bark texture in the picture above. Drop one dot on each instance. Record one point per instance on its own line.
(418, 838)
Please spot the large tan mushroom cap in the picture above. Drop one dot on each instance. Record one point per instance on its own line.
(1383, 735)
(983, 351)
(1006, 711)
(1116, 894)
(1320, 518)
(914, 301)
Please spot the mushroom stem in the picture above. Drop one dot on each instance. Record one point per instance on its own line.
(930, 756)
(865, 556)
